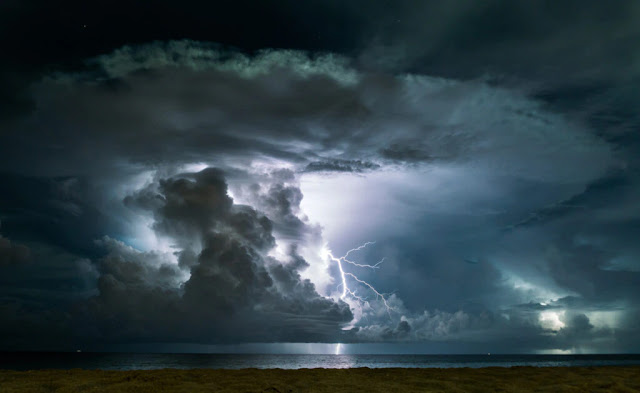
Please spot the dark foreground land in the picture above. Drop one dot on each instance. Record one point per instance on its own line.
(493, 379)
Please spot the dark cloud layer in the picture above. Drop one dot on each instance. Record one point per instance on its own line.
(340, 166)
(233, 291)
(226, 288)
(163, 180)
(11, 253)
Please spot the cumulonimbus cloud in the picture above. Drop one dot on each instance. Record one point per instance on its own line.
(132, 127)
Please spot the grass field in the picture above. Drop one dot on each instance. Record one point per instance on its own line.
(493, 379)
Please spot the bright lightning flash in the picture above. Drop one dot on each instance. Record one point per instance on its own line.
(343, 275)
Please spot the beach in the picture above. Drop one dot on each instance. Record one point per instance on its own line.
(494, 379)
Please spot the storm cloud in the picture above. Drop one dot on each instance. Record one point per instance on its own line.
(166, 190)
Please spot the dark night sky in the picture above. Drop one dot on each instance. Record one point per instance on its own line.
(186, 174)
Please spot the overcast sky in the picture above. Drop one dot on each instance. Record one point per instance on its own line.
(394, 176)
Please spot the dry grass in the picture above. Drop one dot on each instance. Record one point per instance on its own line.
(493, 379)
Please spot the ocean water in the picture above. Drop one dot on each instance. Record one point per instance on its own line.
(149, 361)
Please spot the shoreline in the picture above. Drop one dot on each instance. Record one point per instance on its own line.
(508, 379)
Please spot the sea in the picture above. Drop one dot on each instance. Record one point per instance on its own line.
(150, 361)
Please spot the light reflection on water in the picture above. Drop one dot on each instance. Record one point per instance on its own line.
(146, 361)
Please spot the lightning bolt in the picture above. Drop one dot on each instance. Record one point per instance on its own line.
(346, 291)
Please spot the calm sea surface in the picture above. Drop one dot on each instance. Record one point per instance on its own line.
(147, 361)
